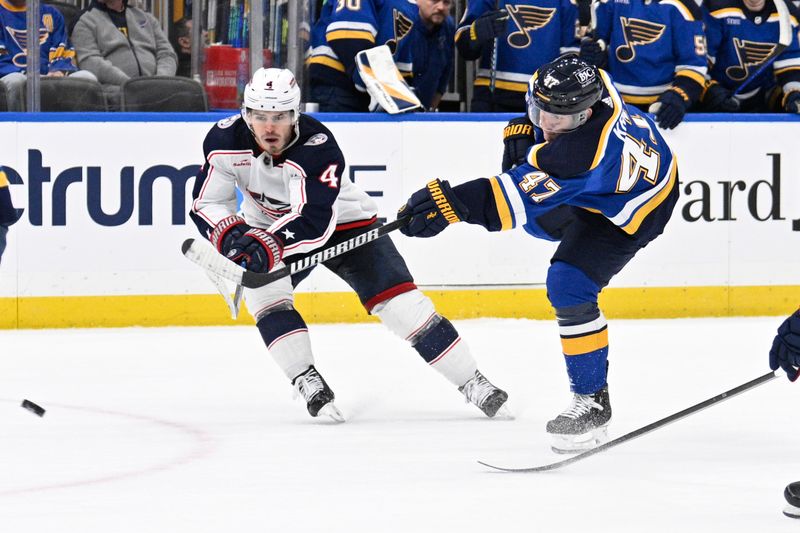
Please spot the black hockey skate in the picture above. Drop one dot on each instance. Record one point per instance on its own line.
(317, 394)
(792, 495)
(582, 425)
(489, 399)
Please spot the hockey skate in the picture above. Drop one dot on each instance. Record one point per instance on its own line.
(792, 494)
(317, 394)
(582, 425)
(489, 399)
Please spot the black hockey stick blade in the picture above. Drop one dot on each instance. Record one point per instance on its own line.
(208, 258)
(642, 430)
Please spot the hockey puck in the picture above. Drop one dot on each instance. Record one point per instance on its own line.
(33, 408)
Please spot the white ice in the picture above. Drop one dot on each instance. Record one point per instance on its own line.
(195, 430)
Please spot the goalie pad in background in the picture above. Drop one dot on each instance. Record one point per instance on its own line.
(384, 83)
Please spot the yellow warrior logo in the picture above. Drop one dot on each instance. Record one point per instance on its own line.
(637, 32)
(527, 18)
(750, 54)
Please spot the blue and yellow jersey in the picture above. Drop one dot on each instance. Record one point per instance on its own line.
(56, 52)
(8, 215)
(346, 27)
(617, 164)
(740, 42)
(653, 46)
(537, 32)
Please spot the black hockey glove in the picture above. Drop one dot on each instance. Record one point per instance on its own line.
(432, 209)
(258, 249)
(226, 232)
(673, 106)
(718, 99)
(792, 102)
(785, 352)
(593, 51)
(518, 137)
(488, 26)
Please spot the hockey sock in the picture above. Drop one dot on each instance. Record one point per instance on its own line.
(442, 348)
(286, 335)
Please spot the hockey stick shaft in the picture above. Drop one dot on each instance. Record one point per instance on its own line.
(210, 260)
(648, 428)
(784, 40)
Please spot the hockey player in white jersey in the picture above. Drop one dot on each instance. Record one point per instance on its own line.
(289, 170)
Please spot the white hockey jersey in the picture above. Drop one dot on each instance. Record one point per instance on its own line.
(300, 196)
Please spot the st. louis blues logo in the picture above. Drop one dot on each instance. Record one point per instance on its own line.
(526, 19)
(402, 27)
(750, 54)
(21, 38)
(637, 32)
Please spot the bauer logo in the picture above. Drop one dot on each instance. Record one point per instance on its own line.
(63, 191)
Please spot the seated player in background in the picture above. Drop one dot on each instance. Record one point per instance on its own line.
(746, 72)
(655, 52)
(603, 182)
(297, 198)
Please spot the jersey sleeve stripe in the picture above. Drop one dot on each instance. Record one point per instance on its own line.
(501, 204)
(349, 34)
(606, 133)
(513, 199)
(692, 73)
(648, 201)
(327, 61)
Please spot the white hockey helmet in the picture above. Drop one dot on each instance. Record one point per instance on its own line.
(272, 89)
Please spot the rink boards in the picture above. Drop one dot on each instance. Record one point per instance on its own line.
(105, 200)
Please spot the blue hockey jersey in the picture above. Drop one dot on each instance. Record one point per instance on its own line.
(537, 32)
(653, 45)
(740, 42)
(56, 52)
(617, 164)
(344, 28)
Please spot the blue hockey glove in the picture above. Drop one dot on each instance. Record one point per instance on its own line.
(719, 99)
(792, 103)
(226, 232)
(518, 137)
(432, 209)
(593, 51)
(785, 352)
(674, 104)
(259, 249)
(488, 26)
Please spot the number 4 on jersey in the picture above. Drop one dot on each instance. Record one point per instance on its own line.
(328, 177)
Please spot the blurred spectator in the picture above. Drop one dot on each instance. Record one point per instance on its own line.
(57, 56)
(745, 73)
(432, 51)
(344, 29)
(8, 215)
(117, 42)
(655, 51)
(513, 38)
(183, 47)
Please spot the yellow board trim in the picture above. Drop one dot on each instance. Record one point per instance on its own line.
(532, 303)
(585, 344)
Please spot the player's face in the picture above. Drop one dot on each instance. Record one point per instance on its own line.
(553, 125)
(272, 129)
(434, 12)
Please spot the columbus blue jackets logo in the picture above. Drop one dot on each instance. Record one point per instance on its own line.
(637, 32)
(316, 139)
(526, 19)
(750, 54)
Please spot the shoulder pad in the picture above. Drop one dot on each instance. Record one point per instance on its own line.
(228, 134)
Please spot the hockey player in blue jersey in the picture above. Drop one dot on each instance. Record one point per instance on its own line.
(296, 199)
(754, 54)
(654, 50)
(602, 181)
(8, 215)
(345, 28)
(511, 39)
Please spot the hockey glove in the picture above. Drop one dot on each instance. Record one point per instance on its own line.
(488, 26)
(792, 102)
(259, 249)
(785, 352)
(518, 137)
(719, 99)
(593, 51)
(432, 209)
(674, 104)
(226, 232)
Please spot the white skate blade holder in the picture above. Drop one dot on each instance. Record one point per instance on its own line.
(330, 410)
(565, 444)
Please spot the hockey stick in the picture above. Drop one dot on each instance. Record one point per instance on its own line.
(208, 258)
(643, 430)
(784, 40)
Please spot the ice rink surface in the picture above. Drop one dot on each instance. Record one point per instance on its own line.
(195, 430)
